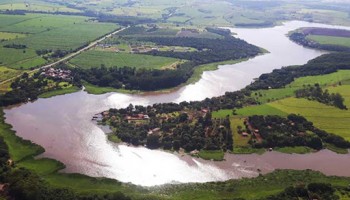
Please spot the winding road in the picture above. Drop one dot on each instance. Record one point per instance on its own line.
(92, 44)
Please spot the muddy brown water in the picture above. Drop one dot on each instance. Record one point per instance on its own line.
(63, 126)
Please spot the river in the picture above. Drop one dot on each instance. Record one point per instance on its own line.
(62, 124)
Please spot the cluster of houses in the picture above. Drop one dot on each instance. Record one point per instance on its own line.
(58, 73)
(143, 48)
(136, 117)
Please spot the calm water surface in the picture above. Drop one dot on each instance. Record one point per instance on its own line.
(62, 124)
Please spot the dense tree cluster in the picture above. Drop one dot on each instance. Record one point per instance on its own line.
(294, 130)
(219, 31)
(15, 46)
(28, 88)
(301, 38)
(170, 126)
(136, 79)
(315, 191)
(317, 94)
(24, 89)
(4, 157)
(324, 64)
(209, 50)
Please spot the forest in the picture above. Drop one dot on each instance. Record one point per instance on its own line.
(170, 127)
(309, 191)
(209, 50)
(132, 79)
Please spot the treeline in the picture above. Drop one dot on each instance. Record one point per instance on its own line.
(301, 38)
(324, 64)
(24, 89)
(219, 31)
(316, 93)
(210, 50)
(315, 191)
(136, 79)
(294, 130)
(253, 25)
(15, 46)
(122, 20)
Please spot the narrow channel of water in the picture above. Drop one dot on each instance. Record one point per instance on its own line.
(62, 124)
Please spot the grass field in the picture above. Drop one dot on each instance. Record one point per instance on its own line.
(199, 70)
(19, 148)
(109, 59)
(344, 91)
(92, 89)
(63, 91)
(114, 138)
(265, 96)
(281, 102)
(36, 6)
(298, 150)
(339, 41)
(211, 155)
(11, 36)
(264, 109)
(325, 117)
(6, 73)
(45, 31)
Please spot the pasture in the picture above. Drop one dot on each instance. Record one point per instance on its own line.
(325, 117)
(330, 40)
(282, 102)
(6, 73)
(93, 58)
(333, 79)
(35, 5)
(10, 36)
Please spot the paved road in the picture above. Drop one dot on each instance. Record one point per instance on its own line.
(92, 44)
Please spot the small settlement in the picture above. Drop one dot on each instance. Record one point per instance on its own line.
(58, 73)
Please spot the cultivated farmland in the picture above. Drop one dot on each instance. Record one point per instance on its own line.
(111, 59)
(45, 32)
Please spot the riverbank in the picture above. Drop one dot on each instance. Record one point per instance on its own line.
(69, 116)
(48, 169)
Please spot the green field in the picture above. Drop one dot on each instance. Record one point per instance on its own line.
(10, 36)
(325, 117)
(110, 59)
(211, 155)
(35, 6)
(63, 91)
(298, 150)
(45, 31)
(6, 73)
(92, 89)
(332, 40)
(199, 70)
(264, 109)
(265, 96)
(281, 102)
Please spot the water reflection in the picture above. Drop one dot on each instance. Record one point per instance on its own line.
(62, 125)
